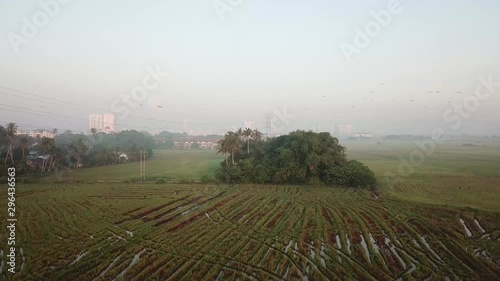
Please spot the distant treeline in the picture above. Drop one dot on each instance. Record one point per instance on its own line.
(167, 140)
(68, 150)
(450, 137)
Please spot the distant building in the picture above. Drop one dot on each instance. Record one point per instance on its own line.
(345, 130)
(249, 125)
(188, 144)
(38, 134)
(365, 135)
(200, 142)
(123, 156)
(102, 122)
(95, 122)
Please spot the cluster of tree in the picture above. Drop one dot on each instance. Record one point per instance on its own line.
(71, 150)
(405, 137)
(104, 149)
(468, 145)
(166, 140)
(301, 157)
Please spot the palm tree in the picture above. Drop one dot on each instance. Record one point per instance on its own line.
(4, 140)
(222, 148)
(48, 146)
(247, 133)
(56, 160)
(232, 142)
(93, 131)
(239, 132)
(78, 149)
(23, 144)
(11, 133)
(54, 131)
(256, 135)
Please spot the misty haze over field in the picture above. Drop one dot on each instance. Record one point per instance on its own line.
(231, 64)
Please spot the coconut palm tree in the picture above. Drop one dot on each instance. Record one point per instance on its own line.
(239, 132)
(232, 142)
(23, 144)
(55, 160)
(93, 141)
(247, 133)
(11, 132)
(256, 135)
(4, 140)
(48, 147)
(222, 148)
(78, 149)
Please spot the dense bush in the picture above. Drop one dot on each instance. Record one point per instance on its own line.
(354, 174)
(208, 179)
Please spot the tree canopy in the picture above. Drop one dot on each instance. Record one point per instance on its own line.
(301, 157)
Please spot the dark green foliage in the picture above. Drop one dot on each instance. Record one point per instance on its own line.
(160, 181)
(208, 179)
(229, 173)
(103, 149)
(301, 157)
(354, 174)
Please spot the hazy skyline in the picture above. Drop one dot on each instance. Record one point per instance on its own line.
(263, 56)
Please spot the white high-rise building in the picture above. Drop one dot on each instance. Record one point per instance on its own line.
(345, 130)
(249, 125)
(108, 121)
(95, 121)
(102, 122)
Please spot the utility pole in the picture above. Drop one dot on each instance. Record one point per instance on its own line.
(143, 164)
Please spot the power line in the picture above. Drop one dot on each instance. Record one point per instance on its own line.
(75, 105)
(56, 115)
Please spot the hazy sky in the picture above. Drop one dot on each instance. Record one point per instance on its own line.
(263, 56)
